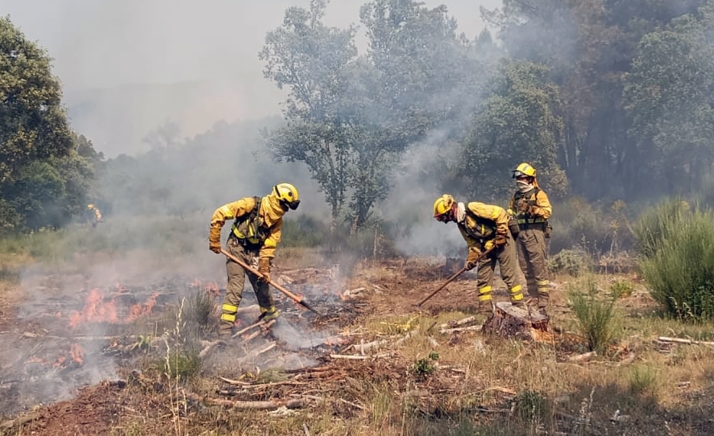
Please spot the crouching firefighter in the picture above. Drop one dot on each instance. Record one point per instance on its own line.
(484, 226)
(531, 207)
(254, 237)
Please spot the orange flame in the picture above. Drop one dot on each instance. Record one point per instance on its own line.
(138, 310)
(95, 310)
(77, 353)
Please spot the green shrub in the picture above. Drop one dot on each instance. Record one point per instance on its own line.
(533, 409)
(596, 316)
(643, 380)
(621, 289)
(180, 364)
(571, 262)
(424, 367)
(655, 223)
(678, 263)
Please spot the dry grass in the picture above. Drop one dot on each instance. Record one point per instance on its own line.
(482, 385)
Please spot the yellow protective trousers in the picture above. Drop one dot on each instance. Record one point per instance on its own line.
(508, 263)
(236, 284)
(531, 257)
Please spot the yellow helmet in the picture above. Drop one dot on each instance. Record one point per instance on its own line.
(524, 169)
(287, 194)
(90, 206)
(443, 204)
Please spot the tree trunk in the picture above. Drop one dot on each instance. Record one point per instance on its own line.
(508, 321)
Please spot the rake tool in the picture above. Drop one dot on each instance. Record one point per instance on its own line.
(296, 298)
(452, 278)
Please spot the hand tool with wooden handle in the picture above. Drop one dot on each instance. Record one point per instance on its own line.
(296, 298)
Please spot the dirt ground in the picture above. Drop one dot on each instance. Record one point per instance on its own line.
(310, 377)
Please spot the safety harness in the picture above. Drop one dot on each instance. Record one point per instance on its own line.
(525, 219)
(247, 228)
(483, 230)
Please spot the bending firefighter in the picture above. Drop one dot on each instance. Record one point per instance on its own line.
(484, 226)
(532, 209)
(253, 239)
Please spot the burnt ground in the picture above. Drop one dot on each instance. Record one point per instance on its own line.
(115, 383)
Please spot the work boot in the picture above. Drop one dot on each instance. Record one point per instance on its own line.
(485, 308)
(269, 314)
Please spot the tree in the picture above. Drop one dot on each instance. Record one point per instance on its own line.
(668, 98)
(43, 178)
(312, 60)
(518, 121)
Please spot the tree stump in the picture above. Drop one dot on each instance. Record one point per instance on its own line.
(509, 321)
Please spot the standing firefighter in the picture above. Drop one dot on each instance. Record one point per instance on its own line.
(532, 209)
(254, 237)
(484, 226)
(97, 214)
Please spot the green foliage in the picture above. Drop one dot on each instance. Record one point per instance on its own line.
(425, 366)
(181, 364)
(572, 262)
(643, 380)
(597, 318)
(678, 263)
(621, 289)
(349, 117)
(201, 311)
(533, 409)
(518, 121)
(652, 227)
(43, 178)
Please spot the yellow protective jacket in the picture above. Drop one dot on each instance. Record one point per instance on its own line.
(269, 220)
(539, 208)
(482, 222)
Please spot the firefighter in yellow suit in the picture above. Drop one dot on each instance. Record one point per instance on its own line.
(484, 226)
(97, 214)
(531, 207)
(254, 237)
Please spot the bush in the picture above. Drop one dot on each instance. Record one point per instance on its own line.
(678, 261)
(571, 262)
(621, 289)
(653, 226)
(533, 409)
(596, 316)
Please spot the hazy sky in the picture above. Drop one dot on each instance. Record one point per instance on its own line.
(99, 43)
(108, 43)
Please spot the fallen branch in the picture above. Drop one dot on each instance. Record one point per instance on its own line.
(358, 356)
(252, 307)
(19, 421)
(250, 327)
(352, 404)
(234, 382)
(582, 357)
(304, 427)
(210, 346)
(254, 405)
(452, 324)
(473, 328)
(684, 341)
(268, 348)
(368, 346)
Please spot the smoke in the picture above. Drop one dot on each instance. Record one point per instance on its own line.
(129, 66)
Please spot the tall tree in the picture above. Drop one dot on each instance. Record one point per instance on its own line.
(43, 178)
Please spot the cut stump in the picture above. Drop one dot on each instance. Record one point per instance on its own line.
(509, 321)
